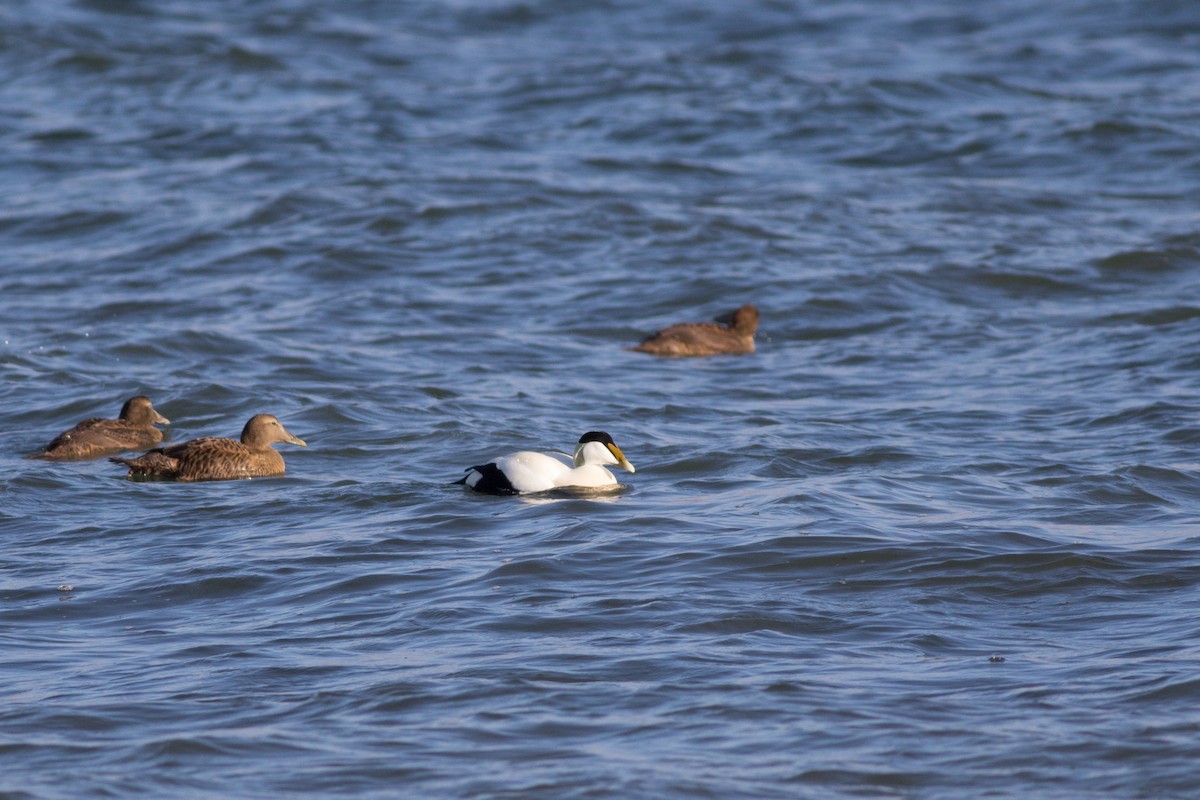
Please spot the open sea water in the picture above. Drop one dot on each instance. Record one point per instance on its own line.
(938, 538)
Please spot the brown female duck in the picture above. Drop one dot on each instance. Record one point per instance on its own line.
(706, 338)
(93, 438)
(216, 459)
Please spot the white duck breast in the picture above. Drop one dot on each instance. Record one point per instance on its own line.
(526, 471)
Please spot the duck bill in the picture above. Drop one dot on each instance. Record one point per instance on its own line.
(622, 461)
(159, 419)
(293, 438)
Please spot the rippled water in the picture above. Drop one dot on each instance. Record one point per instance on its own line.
(937, 537)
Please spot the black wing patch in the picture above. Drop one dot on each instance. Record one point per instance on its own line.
(491, 480)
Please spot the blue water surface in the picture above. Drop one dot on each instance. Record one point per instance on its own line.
(938, 537)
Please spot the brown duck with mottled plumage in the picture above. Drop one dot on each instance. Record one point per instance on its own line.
(96, 437)
(706, 338)
(216, 459)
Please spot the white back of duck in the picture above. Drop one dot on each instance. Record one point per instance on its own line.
(528, 471)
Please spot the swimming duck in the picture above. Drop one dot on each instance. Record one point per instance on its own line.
(132, 430)
(216, 459)
(706, 338)
(524, 472)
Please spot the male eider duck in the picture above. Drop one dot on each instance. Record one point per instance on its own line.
(706, 338)
(524, 472)
(216, 459)
(96, 437)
